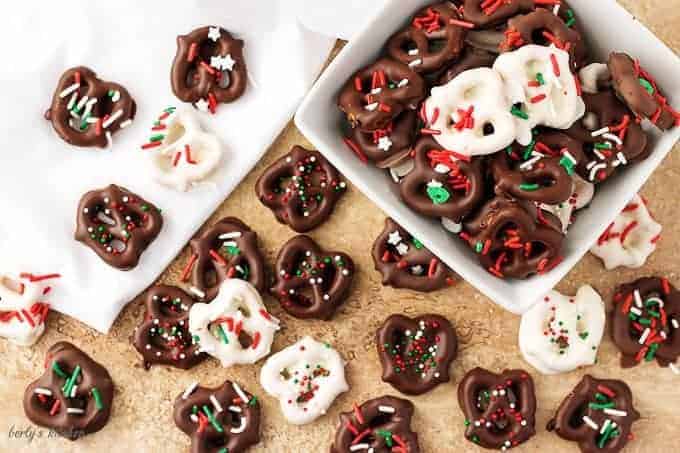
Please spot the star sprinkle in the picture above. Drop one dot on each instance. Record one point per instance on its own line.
(225, 63)
(202, 105)
(214, 33)
(394, 238)
(384, 143)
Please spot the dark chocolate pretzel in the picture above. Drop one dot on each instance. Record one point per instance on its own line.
(415, 353)
(470, 58)
(218, 420)
(540, 172)
(85, 110)
(646, 320)
(311, 282)
(117, 225)
(377, 94)
(209, 67)
(404, 262)
(542, 27)
(440, 185)
(75, 395)
(638, 89)
(487, 13)
(386, 147)
(415, 44)
(603, 152)
(227, 249)
(598, 414)
(499, 408)
(163, 336)
(514, 238)
(382, 425)
(301, 188)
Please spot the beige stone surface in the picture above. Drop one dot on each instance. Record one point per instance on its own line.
(142, 416)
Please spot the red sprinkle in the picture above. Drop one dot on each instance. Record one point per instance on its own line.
(555, 65)
(538, 98)
(626, 231)
(462, 23)
(433, 267)
(356, 150)
(216, 256)
(187, 269)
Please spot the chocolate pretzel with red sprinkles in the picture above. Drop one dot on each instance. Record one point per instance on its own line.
(610, 135)
(311, 283)
(218, 420)
(73, 397)
(301, 188)
(404, 262)
(416, 353)
(499, 408)
(487, 13)
(117, 225)
(163, 336)
(540, 172)
(542, 27)
(598, 415)
(645, 322)
(443, 183)
(382, 425)
(227, 249)
(86, 110)
(209, 68)
(385, 147)
(377, 94)
(638, 89)
(414, 45)
(514, 239)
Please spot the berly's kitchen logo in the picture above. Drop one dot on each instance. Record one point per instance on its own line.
(29, 433)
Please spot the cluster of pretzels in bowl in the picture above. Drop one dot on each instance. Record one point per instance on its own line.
(493, 117)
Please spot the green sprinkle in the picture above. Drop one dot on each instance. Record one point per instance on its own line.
(97, 399)
(387, 435)
(652, 352)
(212, 419)
(71, 381)
(654, 313)
(156, 138)
(644, 321)
(646, 85)
(571, 18)
(170, 109)
(567, 164)
(601, 397)
(466, 422)
(417, 244)
(479, 246)
(145, 208)
(632, 316)
(519, 113)
(223, 450)
(438, 195)
(529, 149)
(603, 145)
(529, 187)
(232, 250)
(223, 336)
(539, 78)
(509, 150)
(58, 370)
(253, 401)
(601, 406)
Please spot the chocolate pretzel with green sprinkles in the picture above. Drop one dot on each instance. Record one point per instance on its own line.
(380, 425)
(117, 225)
(225, 419)
(227, 249)
(514, 238)
(377, 94)
(301, 188)
(311, 283)
(499, 409)
(209, 68)
(163, 336)
(86, 111)
(598, 414)
(645, 322)
(73, 397)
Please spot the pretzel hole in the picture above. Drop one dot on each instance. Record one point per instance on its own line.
(192, 76)
(210, 278)
(218, 440)
(576, 417)
(245, 340)
(538, 38)
(471, 93)
(482, 399)
(542, 180)
(537, 249)
(104, 106)
(303, 297)
(409, 46)
(224, 80)
(436, 45)
(117, 245)
(590, 121)
(283, 183)
(382, 419)
(285, 374)
(102, 217)
(175, 132)
(488, 129)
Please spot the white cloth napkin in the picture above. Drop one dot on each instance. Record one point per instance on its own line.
(132, 43)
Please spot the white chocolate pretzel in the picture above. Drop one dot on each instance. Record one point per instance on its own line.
(22, 308)
(306, 377)
(186, 154)
(593, 76)
(560, 333)
(539, 83)
(221, 325)
(630, 239)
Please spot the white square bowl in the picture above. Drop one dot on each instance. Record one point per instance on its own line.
(608, 27)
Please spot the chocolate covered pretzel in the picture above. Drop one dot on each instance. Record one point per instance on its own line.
(311, 282)
(487, 13)
(163, 336)
(404, 262)
(218, 420)
(514, 238)
(499, 408)
(73, 397)
(638, 89)
(645, 322)
(378, 93)
(209, 68)
(86, 110)
(443, 183)
(385, 147)
(470, 58)
(598, 415)
(416, 353)
(610, 135)
(434, 38)
(117, 225)
(301, 188)
(380, 425)
(227, 249)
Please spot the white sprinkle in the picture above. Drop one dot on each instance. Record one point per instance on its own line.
(413, 52)
(81, 103)
(656, 300)
(384, 143)
(402, 83)
(218, 406)
(125, 123)
(675, 324)
(591, 164)
(43, 391)
(197, 292)
(568, 155)
(530, 163)
(376, 90)
(589, 421)
(72, 101)
(605, 425)
(189, 390)
(594, 170)
(599, 132)
(441, 168)
(193, 418)
(117, 114)
(91, 119)
(109, 139)
(74, 410)
(644, 336)
(230, 235)
(416, 62)
(556, 9)
(371, 107)
(622, 158)
(358, 447)
(241, 428)
(214, 33)
(116, 96)
(613, 138)
(74, 389)
(240, 393)
(615, 412)
(235, 409)
(638, 299)
(69, 90)
(598, 154)
(386, 409)
(402, 248)
(636, 311)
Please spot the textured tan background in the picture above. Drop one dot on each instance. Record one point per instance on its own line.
(142, 416)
